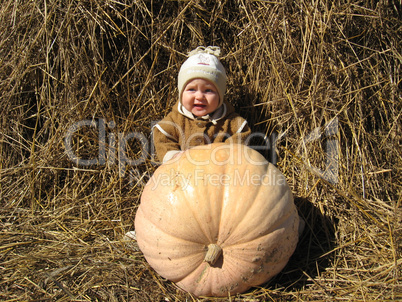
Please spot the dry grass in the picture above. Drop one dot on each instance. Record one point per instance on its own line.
(295, 67)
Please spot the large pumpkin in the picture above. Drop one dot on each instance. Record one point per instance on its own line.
(217, 220)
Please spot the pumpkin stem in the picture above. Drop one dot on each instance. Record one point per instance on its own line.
(213, 253)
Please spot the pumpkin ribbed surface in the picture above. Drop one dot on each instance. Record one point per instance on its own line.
(221, 202)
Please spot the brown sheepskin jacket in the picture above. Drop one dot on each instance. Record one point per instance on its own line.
(180, 130)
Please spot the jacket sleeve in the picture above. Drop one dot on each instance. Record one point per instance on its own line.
(166, 140)
(241, 131)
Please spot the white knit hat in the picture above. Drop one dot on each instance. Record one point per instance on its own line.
(203, 63)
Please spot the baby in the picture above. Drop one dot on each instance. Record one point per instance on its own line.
(202, 115)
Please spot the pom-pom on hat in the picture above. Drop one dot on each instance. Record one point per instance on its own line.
(203, 63)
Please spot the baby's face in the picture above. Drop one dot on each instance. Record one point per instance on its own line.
(200, 97)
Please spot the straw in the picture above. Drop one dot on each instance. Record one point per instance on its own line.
(325, 77)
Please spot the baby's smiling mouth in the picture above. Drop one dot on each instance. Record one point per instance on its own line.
(199, 106)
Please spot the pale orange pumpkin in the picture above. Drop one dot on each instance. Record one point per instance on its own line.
(217, 220)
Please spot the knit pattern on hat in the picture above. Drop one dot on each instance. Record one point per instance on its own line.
(203, 63)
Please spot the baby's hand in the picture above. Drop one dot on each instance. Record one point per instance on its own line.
(178, 154)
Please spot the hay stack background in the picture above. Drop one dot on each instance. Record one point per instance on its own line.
(325, 76)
